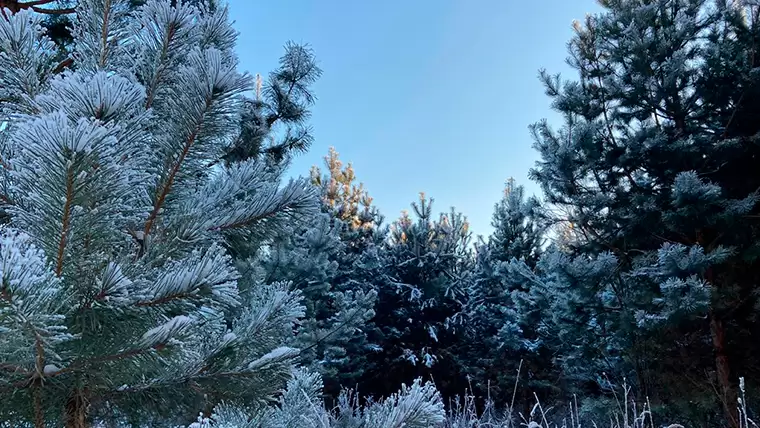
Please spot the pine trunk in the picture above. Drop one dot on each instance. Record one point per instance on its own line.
(728, 394)
(39, 413)
(726, 391)
(76, 411)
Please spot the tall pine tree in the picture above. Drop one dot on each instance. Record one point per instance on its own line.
(359, 265)
(119, 300)
(426, 266)
(501, 343)
(655, 168)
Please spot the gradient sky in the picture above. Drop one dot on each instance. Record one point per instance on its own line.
(421, 95)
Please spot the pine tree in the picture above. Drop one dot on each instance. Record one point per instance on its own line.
(415, 406)
(346, 298)
(326, 259)
(502, 340)
(273, 123)
(58, 16)
(517, 233)
(343, 198)
(655, 168)
(426, 263)
(308, 257)
(119, 299)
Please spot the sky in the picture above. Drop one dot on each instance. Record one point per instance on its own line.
(421, 95)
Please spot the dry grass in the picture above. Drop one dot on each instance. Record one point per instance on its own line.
(626, 413)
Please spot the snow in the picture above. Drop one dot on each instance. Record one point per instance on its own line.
(280, 353)
(166, 331)
(50, 369)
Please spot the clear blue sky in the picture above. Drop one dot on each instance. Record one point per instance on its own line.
(421, 95)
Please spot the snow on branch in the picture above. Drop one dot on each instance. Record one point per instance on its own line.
(25, 61)
(245, 195)
(31, 325)
(206, 276)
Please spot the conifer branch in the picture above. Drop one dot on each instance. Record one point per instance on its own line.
(39, 351)
(153, 86)
(65, 222)
(39, 414)
(16, 6)
(77, 364)
(68, 62)
(244, 222)
(332, 332)
(164, 300)
(13, 368)
(54, 11)
(35, 3)
(104, 34)
(166, 188)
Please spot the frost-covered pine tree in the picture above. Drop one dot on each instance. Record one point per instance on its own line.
(358, 224)
(517, 231)
(427, 262)
(500, 338)
(300, 406)
(307, 257)
(119, 301)
(344, 198)
(655, 167)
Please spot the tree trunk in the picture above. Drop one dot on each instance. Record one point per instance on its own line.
(77, 408)
(727, 391)
(39, 413)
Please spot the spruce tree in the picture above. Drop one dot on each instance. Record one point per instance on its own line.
(119, 299)
(655, 168)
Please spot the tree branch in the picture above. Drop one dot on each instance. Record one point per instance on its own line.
(16, 6)
(54, 11)
(166, 188)
(65, 222)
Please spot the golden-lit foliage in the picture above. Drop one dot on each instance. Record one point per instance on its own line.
(341, 193)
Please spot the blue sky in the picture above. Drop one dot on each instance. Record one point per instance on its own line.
(421, 95)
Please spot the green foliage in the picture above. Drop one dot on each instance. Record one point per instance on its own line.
(273, 124)
(154, 265)
(503, 335)
(653, 169)
(415, 406)
(426, 263)
(120, 302)
(308, 259)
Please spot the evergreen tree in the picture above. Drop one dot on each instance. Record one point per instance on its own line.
(344, 199)
(331, 260)
(359, 226)
(274, 123)
(655, 168)
(427, 263)
(307, 257)
(501, 343)
(119, 300)
(415, 406)
(517, 233)
(58, 22)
